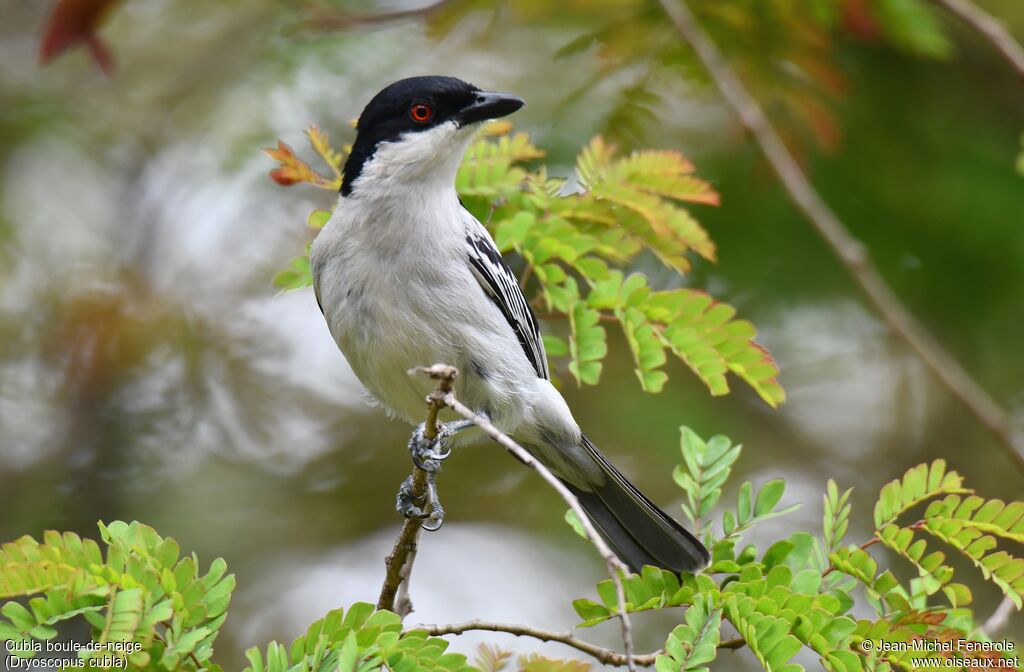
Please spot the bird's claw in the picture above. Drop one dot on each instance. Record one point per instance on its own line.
(427, 454)
(435, 520)
(410, 505)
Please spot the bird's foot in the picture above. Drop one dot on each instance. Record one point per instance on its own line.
(411, 505)
(408, 503)
(428, 454)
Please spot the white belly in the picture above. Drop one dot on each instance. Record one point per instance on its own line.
(383, 333)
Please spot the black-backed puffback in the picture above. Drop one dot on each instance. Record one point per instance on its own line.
(406, 276)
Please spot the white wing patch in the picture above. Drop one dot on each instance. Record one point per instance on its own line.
(498, 282)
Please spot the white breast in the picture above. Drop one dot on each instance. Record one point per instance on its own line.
(397, 292)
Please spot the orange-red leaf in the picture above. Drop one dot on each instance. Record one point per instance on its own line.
(75, 22)
(292, 170)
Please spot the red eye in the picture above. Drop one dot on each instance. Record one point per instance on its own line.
(420, 112)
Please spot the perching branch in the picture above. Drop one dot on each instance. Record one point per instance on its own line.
(399, 563)
(851, 252)
(991, 29)
(601, 654)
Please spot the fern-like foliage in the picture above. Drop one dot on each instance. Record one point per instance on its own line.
(836, 518)
(694, 644)
(988, 516)
(784, 599)
(919, 484)
(752, 509)
(934, 574)
(147, 606)
(1000, 567)
(574, 244)
(970, 525)
(359, 640)
(706, 467)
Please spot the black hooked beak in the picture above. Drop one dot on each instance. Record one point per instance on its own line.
(487, 105)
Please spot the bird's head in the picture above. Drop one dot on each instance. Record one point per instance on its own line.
(416, 131)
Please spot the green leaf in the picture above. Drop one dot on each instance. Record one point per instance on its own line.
(777, 553)
(349, 654)
(693, 646)
(752, 509)
(574, 522)
(587, 342)
(296, 276)
(706, 468)
(555, 346)
(318, 219)
(836, 516)
(917, 485)
(768, 496)
(704, 336)
(646, 346)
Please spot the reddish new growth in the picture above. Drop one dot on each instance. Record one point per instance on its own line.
(292, 170)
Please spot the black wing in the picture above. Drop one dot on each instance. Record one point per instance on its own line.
(501, 286)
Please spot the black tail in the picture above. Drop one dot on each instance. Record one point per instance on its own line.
(634, 527)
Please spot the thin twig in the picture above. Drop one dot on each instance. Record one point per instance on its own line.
(999, 619)
(732, 644)
(616, 569)
(991, 29)
(332, 22)
(851, 252)
(603, 655)
(600, 653)
(394, 594)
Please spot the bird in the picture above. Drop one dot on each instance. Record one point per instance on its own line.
(406, 276)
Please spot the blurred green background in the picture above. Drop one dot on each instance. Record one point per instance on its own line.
(149, 370)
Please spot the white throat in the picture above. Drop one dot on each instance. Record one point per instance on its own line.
(421, 162)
